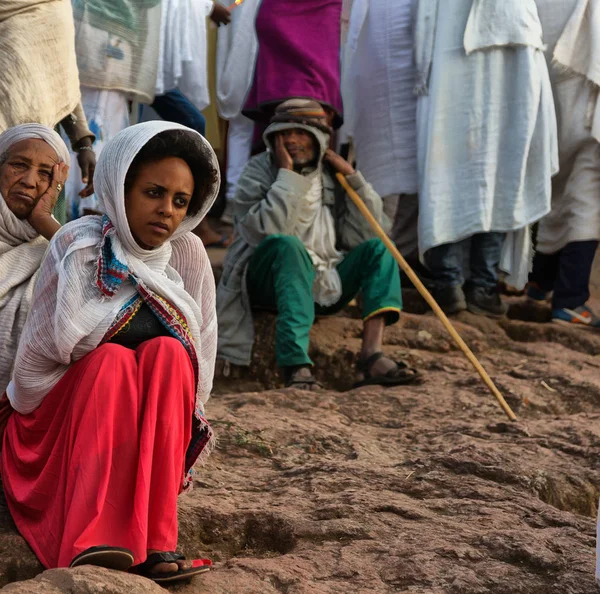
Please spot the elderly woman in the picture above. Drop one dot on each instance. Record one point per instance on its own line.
(34, 163)
(116, 363)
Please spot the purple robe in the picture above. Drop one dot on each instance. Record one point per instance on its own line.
(298, 55)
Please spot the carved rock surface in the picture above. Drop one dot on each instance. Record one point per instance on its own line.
(426, 489)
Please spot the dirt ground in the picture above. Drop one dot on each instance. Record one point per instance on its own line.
(426, 489)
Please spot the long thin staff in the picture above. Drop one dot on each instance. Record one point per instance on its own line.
(426, 295)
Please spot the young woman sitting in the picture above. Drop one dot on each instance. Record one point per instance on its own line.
(116, 363)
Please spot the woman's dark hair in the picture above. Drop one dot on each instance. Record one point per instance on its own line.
(185, 146)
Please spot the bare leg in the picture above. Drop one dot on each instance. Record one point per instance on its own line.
(372, 342)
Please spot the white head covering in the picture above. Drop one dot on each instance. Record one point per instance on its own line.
(21, 252)
(111, 170)
(27, 131)
(72, 315)
(14, 231)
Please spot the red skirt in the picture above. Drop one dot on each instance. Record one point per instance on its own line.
(101, 461)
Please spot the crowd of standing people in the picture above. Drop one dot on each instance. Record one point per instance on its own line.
(470, 129)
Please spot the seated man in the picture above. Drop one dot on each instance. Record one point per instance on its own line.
(33, 169)
(303, 248)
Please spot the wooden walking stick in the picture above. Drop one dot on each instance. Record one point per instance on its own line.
(426, 295)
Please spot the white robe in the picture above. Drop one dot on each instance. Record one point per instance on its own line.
(380, 106)
(575, 212)
(237, 48)
(487, 129)
(182, 61)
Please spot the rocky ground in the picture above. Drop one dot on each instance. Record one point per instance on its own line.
(426, 489)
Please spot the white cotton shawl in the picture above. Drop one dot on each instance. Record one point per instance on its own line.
(316, 230)
(21, 253)
(578, 50)
(237, 47)
(70, 317)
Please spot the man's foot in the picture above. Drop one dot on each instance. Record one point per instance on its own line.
(485, 301)
(537, 295)
(450, 299)
(379, 370)
(300, 378)
(583, 316)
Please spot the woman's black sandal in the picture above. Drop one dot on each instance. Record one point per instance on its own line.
(145, 569)
(401, 375)
(116, 558)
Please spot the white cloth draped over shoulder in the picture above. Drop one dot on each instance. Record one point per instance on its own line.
(237, 47)
(117, 45)
(182, 61)
(71, 317)
(316, 230)
(578, 51)
(39, 81)
(21, 253)
(380, 105)
(487, 125)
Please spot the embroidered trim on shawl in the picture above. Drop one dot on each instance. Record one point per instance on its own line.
(172, 319)
(110, 275)
(110, 272)
(123, 317)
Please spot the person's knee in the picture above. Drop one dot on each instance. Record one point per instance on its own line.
(375, 251)
(110, 352)
(376, 246)
(167, 345)
(109, 356)
(287, 245)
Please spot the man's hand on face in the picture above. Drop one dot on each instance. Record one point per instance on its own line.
(41, 218)
(282, 156)
(220, 15)
(338, 163)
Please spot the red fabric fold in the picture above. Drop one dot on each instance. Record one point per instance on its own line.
(101, 461)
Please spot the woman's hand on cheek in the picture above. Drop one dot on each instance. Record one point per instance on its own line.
(41, 218)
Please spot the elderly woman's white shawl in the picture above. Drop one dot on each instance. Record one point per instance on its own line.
(70, 317)
(487, 129)
(38, 70)
(21, 253)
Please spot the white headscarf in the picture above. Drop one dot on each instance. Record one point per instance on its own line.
(21, 252)
(71, 316)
